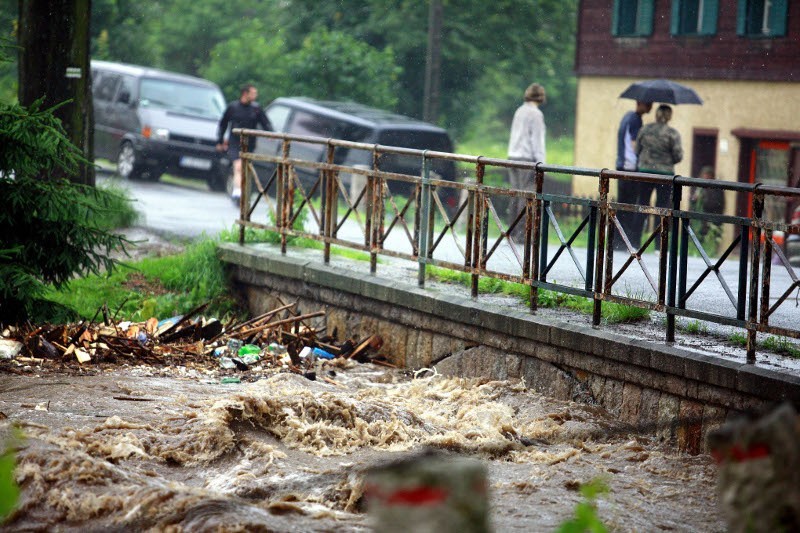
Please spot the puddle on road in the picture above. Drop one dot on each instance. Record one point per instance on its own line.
(288, 454)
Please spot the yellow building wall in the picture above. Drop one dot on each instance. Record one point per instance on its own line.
(727, 105)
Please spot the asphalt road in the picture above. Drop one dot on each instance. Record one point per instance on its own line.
(189, 210)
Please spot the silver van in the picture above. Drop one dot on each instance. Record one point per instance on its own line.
(151, 121)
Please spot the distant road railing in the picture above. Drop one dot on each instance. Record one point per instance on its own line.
(455, 225)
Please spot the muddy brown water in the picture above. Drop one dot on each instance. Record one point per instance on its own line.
(154, 449)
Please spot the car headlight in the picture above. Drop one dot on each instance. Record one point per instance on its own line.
(159, 134)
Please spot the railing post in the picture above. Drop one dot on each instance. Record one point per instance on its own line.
(476, 226)
(424, 220)
(602, 227)
(536, 228)
(744, 254)
(380, 185)
(673, 258)
(369, 233)
(590, 248)
(469, 228)
(244, 199)
(755, 263)
(544, 235)
(328, 188)
(683, 268)
(280, 195)
(763, 318)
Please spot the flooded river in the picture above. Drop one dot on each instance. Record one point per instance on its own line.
(146, 449)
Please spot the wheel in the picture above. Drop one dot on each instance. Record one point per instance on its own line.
(128, 166)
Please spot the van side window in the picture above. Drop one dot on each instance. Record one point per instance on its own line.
(106, 87)
(355, 133)
(277, 115)
(304, 123)
(127, 90)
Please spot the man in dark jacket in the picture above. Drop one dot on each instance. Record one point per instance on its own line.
(243, 113)
(628, 191)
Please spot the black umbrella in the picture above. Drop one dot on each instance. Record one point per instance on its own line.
(664, 91)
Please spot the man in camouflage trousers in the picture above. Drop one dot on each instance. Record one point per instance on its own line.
(658, 148)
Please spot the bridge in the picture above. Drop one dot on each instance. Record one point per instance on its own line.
(401, 222)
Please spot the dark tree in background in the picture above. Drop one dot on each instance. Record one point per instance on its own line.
(54, 66)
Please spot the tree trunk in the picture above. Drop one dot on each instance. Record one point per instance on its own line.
(433, 62)
(54, 65)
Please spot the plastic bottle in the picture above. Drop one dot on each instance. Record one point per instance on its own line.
(234, 345)
(322, 354)
(276, 348)
(249, 349)
(226, 363)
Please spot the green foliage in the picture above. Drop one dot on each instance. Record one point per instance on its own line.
(366, 50)
(333, 65)
(585, 516)
(781, 345)
(8, 53)
(9, 491)
(119, 32)
(612, 313)
(255, 55)
(615, 313)
(739, 339)
(50, 230)
(491, 51)
(118, 211)
(160, 287)
(695, 327)
(33, 142)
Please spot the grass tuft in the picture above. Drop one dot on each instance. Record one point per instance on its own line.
(160, 287)
(612, 313)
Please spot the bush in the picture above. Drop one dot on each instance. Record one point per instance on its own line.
(50, 230)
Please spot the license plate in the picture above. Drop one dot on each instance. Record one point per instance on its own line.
(195, 162)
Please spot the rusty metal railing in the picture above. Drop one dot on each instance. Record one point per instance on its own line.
(456, 225)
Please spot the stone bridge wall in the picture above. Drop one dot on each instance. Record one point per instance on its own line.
(673, 393)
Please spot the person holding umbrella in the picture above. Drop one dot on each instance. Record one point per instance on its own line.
(658, 147)
(628, 191)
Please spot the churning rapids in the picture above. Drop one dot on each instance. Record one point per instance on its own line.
(135, 449)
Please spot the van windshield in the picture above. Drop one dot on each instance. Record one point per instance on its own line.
(184, 98)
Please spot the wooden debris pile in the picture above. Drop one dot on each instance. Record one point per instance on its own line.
(280, 339)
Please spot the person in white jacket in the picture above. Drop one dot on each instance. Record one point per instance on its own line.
(526, 143)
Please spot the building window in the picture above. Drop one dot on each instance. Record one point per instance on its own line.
(762, 18)
(632, 18)
(694, 17)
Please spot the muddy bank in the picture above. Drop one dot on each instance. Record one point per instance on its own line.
(132, 448)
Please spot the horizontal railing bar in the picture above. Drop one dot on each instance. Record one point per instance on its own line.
(708, 317)
(572, 200)
(555, 287)
(776, 330)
